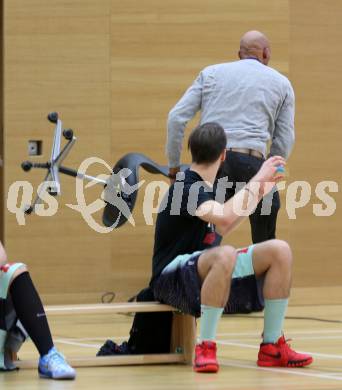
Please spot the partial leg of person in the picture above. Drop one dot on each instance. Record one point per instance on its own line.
(215, 268)
(264, 220)
(199, 284)
(263, 228)
(274, 260)
(31, 314)
(240, 168)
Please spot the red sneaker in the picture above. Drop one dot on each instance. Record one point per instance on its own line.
(280, 354)
(205, 357)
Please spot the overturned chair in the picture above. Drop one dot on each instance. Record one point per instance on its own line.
(120, 188)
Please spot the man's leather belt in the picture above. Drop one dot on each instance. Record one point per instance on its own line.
(250, 152)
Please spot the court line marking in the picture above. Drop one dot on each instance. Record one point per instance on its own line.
(302, 337)
(95, 338)
(336, 337)
(221, 342)
(68, 342)
(335, 376)
(304, 332)
(294, 371)
(233, 334)
(77, 342)
(225, 362)
(243, 345)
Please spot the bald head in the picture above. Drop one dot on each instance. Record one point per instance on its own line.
(255, 44)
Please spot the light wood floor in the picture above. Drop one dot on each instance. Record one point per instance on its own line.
(238, 340)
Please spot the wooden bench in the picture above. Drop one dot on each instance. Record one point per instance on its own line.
(182, 338)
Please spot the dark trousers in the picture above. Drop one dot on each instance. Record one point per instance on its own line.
(240, 168)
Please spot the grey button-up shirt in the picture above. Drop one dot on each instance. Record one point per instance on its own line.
(252, 102)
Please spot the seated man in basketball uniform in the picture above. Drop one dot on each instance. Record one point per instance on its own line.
(191, 275)
(22, 315)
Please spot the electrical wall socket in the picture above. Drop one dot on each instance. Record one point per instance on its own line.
(35, 147)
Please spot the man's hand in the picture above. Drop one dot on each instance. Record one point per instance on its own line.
(172, 174)
(268, 176)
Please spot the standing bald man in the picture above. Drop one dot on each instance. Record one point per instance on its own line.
(255, 105)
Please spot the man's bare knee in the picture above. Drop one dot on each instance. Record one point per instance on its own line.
(282, 253)
(221, 258)
(226, 258)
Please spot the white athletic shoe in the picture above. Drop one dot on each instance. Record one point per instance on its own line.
(54, 366)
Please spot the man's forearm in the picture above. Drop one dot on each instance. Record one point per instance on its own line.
(238, 208)
(178, 117)
(282, 146)
(230, 214)
(175, 135)
(284, 132)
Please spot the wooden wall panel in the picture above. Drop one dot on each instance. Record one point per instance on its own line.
(113, 69)
(57, 59)
(315, 55)
(157, 50)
